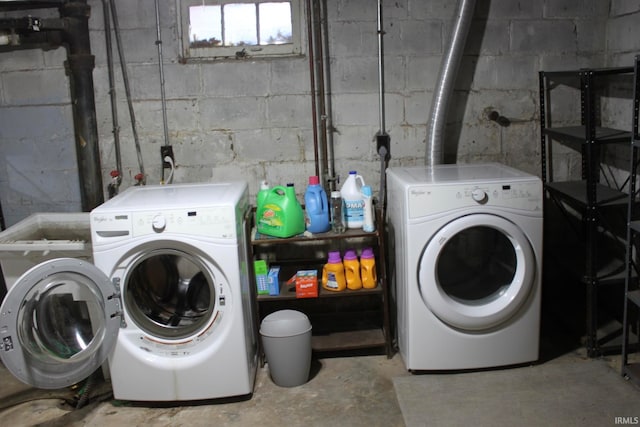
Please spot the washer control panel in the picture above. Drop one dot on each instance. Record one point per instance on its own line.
(426, 200)
(212, 222)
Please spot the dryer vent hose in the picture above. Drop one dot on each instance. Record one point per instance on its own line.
(446, 80)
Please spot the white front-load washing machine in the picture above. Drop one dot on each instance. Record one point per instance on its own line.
(467, 242)
(167, 300)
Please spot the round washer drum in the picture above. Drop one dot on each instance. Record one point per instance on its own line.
(58, 323)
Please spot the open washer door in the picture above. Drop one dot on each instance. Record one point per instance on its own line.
(476, 272)
(58, 323)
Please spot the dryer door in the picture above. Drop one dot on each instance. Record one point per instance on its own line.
(58, 323)
(476, 271)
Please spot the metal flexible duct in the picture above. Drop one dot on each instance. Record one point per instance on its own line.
(446, 80)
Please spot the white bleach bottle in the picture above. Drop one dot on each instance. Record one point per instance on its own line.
(351, 192)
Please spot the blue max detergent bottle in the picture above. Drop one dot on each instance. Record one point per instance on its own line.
(316, 207)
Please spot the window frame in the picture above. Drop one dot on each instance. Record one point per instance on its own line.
(217, 53)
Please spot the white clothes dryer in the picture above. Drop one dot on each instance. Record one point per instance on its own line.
(168, 300)
(468, 265)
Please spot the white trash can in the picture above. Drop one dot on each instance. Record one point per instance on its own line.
(286, 338)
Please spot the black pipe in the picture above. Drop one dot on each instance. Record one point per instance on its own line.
(71, 31)
(80, 64)
(45, 40)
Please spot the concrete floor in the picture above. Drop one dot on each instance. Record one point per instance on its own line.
(342, 391)
(354, 391)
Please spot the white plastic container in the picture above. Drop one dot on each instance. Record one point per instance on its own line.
(44, 236)
(353, 202)
(368, 224)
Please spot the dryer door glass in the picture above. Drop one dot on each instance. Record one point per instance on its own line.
(59, 322)
(477, 271)
(476, 265)
(170, 293)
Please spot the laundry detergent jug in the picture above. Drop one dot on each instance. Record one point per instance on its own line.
(281, 214)
(353, 201)
(368, 272)
(352, 270)
(333, 278)
(316, 207)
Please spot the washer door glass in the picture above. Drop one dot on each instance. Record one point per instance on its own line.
(476, 271)
(58, 323)
(170, 293)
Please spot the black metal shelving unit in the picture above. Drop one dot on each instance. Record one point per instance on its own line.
(593, 209)
(631, 322)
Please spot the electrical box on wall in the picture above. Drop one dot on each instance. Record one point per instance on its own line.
(167, 151)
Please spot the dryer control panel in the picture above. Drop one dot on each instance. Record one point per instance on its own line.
(432, 199)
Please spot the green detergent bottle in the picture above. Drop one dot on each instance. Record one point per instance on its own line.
(281, 214)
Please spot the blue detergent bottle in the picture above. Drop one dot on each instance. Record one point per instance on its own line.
(316, 207)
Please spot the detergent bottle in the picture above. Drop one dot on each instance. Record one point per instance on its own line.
(262, 194)
(333, 278)
(352, 270)
(368, 222)
(316, 207)
(281, 214)
(368, 269)
(353, 201)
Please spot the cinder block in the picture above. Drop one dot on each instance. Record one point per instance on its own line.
(290, 77)
(355, 109)
(541, 37)
(422, 72)
(505, 72)
(347, 39)
(623, 7)
(237, 78)
(54, 121)
(414, 37)
(268, 145)
(576, 8)
(36, 87)
(237, 113)
(488, 37)
(288, 111)
(624, 33)
(353, 75)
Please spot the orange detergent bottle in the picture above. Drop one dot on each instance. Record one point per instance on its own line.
(368, 269)
(352, 270)
(333, 273)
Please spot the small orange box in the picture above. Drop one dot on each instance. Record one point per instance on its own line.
(307, 284)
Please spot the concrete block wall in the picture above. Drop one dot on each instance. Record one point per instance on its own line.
(622, 45)
(251, 119)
